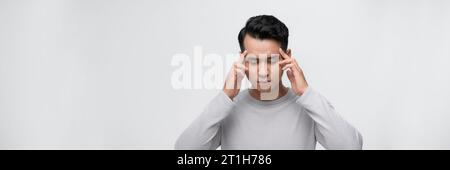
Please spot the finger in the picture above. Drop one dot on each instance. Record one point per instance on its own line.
(241, 66)
(288, 66)
(242, 57)
(240, 73)
(286, 61)
(283, 54)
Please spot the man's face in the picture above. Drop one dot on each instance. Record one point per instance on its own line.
(262, 60)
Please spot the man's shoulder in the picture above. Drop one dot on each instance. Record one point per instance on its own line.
(241, 96)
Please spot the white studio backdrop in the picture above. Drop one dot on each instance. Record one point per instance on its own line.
(78, 74)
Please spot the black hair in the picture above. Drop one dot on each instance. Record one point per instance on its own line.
(265, 27)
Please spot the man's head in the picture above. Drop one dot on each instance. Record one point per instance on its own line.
(262, 37)
(265, 27)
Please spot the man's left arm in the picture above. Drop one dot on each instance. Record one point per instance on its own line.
(331, 130)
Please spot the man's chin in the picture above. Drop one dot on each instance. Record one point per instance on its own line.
(267, 89)
(264, 90)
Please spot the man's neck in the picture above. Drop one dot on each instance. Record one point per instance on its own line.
(282, 90)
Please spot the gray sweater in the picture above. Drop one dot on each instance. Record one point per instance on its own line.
(290, 122)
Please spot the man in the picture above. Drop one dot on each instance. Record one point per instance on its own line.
(269, 115)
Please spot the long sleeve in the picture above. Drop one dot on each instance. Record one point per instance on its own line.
(204, 132)
(331, 130)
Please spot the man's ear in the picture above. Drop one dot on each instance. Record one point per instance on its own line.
(288, 52)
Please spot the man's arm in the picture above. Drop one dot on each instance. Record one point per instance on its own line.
(204, 132)
(331, 130)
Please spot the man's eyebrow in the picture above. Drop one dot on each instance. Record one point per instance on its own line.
(251, 57)
(274, 55)
(255, 57)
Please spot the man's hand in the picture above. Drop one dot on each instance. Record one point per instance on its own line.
(294, 73)
(235, 76)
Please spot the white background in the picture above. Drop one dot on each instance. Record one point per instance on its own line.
(97, 74)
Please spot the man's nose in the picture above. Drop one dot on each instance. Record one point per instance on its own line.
(263, 70)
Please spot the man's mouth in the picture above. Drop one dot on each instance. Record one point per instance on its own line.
(263, 81)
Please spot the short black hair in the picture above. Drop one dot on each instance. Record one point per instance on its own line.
(265, 27)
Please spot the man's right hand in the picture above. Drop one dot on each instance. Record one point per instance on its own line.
(235, 76)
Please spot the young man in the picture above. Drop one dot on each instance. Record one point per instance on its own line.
(269, 115)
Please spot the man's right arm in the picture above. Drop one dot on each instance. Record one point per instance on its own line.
(205, 132)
